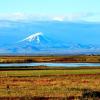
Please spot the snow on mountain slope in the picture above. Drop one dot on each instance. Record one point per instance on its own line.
(33, 37)
(33, 43)
(36, 39)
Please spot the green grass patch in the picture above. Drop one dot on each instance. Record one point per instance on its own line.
(47, 72)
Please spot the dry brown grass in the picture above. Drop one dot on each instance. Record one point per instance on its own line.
(19, 59)
(47, 85)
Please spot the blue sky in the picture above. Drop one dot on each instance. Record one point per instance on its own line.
(59, 9)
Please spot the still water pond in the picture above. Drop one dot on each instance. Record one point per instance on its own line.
(50, 64)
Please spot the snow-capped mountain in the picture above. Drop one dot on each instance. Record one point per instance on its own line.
(37, 39)
(32, 43)
(49, 37)
(39, 43)
(33, 37)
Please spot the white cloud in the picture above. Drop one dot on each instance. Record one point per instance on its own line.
(22, 16)
(58, 18)
(13, 16)
(93, 18)
(18, 16)
(71, 17)
(90, 17)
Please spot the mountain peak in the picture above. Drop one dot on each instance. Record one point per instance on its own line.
(33, 37)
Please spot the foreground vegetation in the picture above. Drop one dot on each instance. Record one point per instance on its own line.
(25, 59)
(46, 84)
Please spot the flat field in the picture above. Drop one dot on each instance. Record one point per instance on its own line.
(25, 59)
(49, 84)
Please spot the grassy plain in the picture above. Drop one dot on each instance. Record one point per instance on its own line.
(46, 84)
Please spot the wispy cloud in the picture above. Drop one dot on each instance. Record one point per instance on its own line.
(90, 17)
(22, 16)
(93, 18)
(73, 17)
(12, 16)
